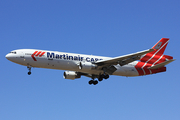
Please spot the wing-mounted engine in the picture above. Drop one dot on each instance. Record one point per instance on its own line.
(71, 75)
(87, 66)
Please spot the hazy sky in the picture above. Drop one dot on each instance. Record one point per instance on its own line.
(98, 27)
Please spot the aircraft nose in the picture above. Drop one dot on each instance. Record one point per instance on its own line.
(8, 56)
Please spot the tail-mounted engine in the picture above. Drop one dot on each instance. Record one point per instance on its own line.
(87, 66)
(71, 75)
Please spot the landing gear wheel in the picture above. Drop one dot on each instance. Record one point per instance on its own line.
(106, 76)
(91, 82)
(29, 73)
(95, 82)
(100, 78)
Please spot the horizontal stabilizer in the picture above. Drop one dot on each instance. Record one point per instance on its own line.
(161, 64)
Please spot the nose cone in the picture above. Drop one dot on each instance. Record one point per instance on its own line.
(10, 57)
(7, 56)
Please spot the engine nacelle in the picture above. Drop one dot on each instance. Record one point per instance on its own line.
(87, 66)
(71, 75)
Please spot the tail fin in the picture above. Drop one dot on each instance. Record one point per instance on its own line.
(156, 56)
(160, 46)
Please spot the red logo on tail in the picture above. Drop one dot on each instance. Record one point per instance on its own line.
(37, 53)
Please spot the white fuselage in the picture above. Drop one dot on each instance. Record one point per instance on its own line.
(65, 61)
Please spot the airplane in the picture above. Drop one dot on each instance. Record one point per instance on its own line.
(141, 63)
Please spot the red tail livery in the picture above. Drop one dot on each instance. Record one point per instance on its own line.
(145, 66)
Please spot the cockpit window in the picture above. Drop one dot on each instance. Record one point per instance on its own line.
(13, 52)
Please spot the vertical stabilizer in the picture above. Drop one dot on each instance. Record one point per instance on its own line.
(160, 46)
(156, 56)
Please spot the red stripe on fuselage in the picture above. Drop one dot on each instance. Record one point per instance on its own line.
(145, 68)
(42, 54)
(33, 55)
(139, 68)
(38, 53)
(163, 69)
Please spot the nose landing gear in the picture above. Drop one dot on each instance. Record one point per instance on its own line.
(29, 68)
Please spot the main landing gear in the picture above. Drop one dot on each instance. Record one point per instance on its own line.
(100, 78)
(103, 76)
(94, 82)
(29, 68)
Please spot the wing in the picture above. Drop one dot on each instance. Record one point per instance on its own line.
(123, 60)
